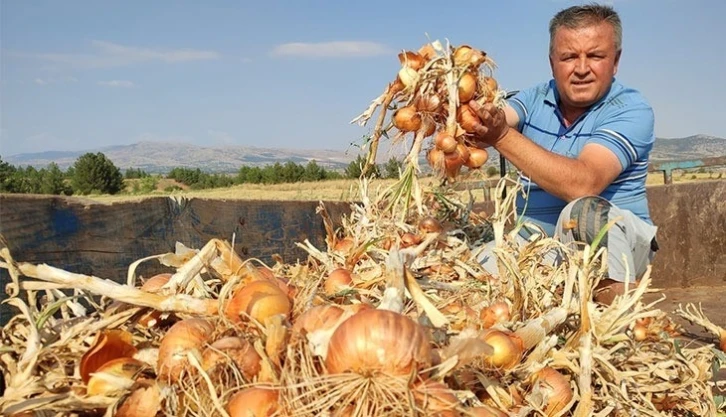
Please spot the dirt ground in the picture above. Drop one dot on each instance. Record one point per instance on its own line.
(712, 301)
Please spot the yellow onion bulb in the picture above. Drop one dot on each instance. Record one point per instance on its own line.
(153, 284)
(371, 342)
(558, 388)
(722, 341)
(465, 55)
(490, 88)
(477, 158)
(106, 380)
(184, 336)
(344, 245)
(435, 158)
(258, 300)
(320, 317)
(640, 332)
(407, 119)
(429, 103)
(144, 401)
(496, 312)
(467, 87)
(254, 402)
(507, 350)
(107, 345)
(239, 350)
(409, 239)
(430, 224)
(338, 280)
(445, 141)
(408, 76)
(467, 118)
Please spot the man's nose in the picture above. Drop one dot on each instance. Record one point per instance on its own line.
(582, 67)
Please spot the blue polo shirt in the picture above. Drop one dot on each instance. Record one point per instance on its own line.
(622, 121)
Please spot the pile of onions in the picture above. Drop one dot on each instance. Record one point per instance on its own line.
(254, 402)
(497, 312)
(239, 350)
(144, 401)
(372, 342)
(436, 399)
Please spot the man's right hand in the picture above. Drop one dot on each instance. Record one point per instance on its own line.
(492, 126)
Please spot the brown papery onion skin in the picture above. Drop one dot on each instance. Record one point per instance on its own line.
(430, 224)
(477, 158)
(317, 318)
(486, 411)
(184, 336)
(121, 368)
(467, 87)
(561, 392)
(407, 119)
(436, 398)
(508, 350)
(444, 141)
(467, 118)
(409, 239)
(338, 280)
(435, 157)
(254, 402)
(371, 342)
(144, 401)
(258, 300)
(239, 350)
(722, 341)
(412, 60)
(497, 312)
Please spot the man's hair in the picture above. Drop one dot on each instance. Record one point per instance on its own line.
(577, 17)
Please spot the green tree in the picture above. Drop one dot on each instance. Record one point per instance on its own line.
(392, 168)
(492, 171)
(7, 177)
(96, 173)
(53, 181)
(355, 168)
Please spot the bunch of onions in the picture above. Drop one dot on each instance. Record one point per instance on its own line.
(407, 119)
(466, 56)
(186, 336)
(558, 388)
(468, 84)
(497, 312)
(239, 350)
(114, 376)
(508, 349)
(370, 342)
(477, 158)
(258, 300)
(254, 402)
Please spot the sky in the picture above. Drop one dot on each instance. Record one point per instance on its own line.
(83, 74)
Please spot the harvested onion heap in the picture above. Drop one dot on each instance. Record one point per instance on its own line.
(390, 318)
(431, 94)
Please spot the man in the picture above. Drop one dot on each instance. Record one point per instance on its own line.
(581, 143)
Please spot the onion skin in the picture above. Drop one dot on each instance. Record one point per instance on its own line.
(477, 158)
(445, 142)
(144, 401)
(184, 336)
(370, 342)
(437, 399)
(108, 345)
(125, 368)
(412, 60)
(467, 118)
(409, 239)
(239, 350)
(467, 87)
(497, 312)
(254, 402)
(317, 318)
(558, 386)
(435, 158)
(258, 300)
(430, 224)
(486, 411)
(407, 119)
(722, 341)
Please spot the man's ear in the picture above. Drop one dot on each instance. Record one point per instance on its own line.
(552, 66)
(617, 61)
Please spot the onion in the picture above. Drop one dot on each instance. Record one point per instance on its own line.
(722, 341)
(412, 60)
(371, 342)
(153, 284)
(558, 388)
(463, 152)
(407, 119)
(465, 55)
(486, 411)
(430, 224)
(239, 350)
(490, 88)
(497, 312)
(144, 401)
(184, 336)
(436, 399)
(114, 376)
(477, 158)
(108, 345)
(408, 76)
(435, 158)
(445, 142)
(507, 350)
(429, 103)
(258, 300)
(640, 332)
(409, 239)
(254, 402)
(467, 87)
(344, 245)
(467, 118)
(338, 280)
(317, 318)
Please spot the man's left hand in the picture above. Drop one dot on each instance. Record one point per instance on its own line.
(492, 125)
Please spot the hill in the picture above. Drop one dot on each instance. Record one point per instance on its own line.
(160, 157)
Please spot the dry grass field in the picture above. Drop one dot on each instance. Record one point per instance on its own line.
(337, 190)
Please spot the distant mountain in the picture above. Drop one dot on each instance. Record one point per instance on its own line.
(160, 157)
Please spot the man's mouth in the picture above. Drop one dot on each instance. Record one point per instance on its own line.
(581, 82)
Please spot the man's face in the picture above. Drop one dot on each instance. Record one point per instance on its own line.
(584, 62)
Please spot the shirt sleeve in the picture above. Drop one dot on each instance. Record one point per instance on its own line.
(628, 132)
(522, 102)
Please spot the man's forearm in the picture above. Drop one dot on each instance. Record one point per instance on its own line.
(564, 177)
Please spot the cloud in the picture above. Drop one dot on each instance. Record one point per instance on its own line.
(46, 81)
(110, 55)
(334, 49)
(117, 83)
